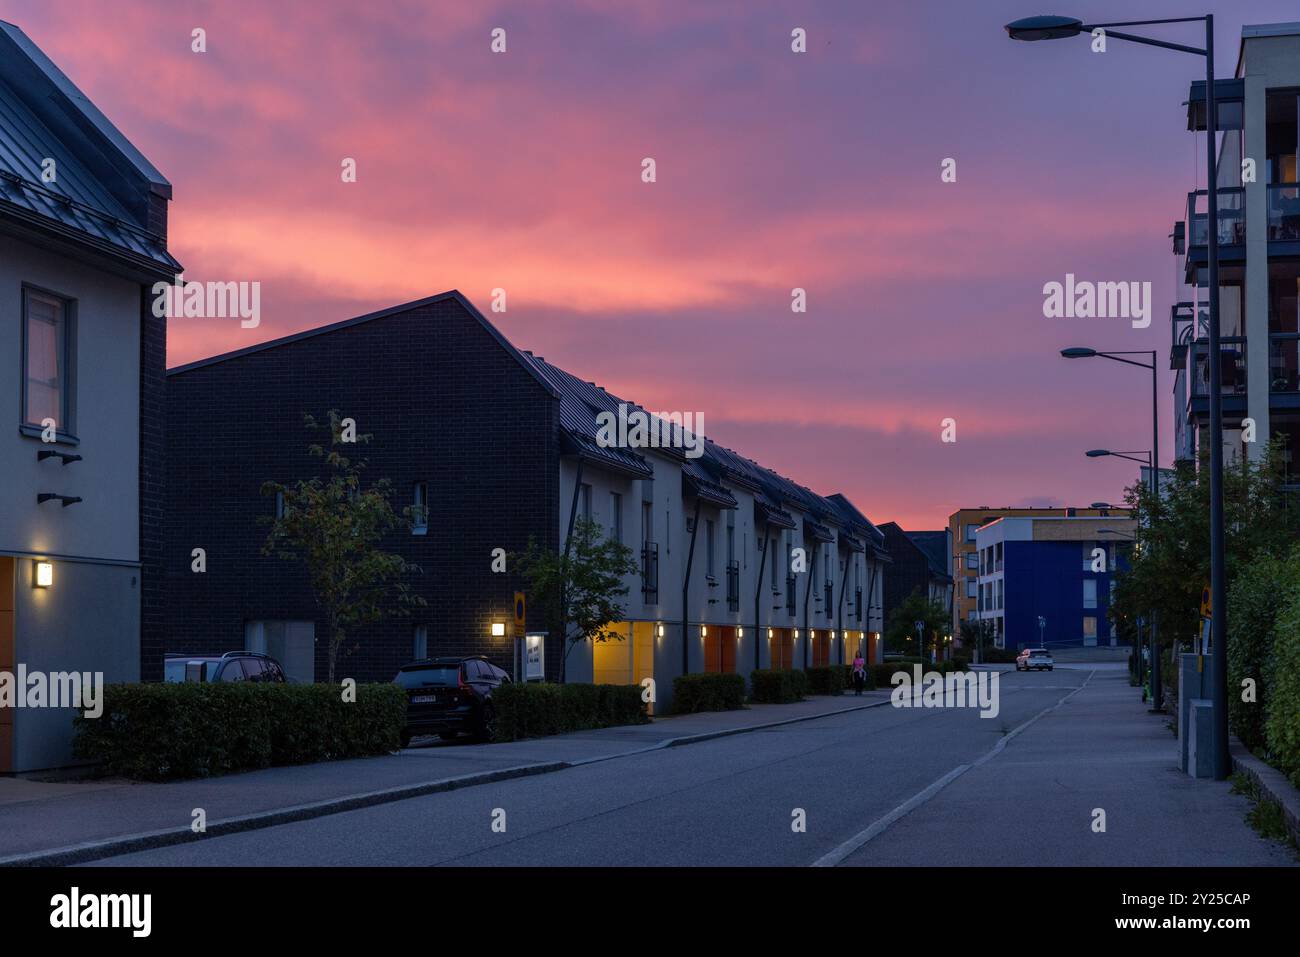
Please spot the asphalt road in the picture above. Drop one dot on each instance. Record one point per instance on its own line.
(880, 786)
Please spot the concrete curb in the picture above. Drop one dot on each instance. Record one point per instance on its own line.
(167, 837)
(1272, 784)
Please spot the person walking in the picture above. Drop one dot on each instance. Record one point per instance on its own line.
(859, 673)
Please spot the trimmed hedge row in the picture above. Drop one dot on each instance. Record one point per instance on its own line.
(771, 686)
(708, 692)
(160, 732)
(539, 710)
(828, 679)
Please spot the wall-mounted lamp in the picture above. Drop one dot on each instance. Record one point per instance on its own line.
(796, 633)
(498, 629)
(740, 632)
(660, 631)
(43, 576)
(769, 634)
(704, 631)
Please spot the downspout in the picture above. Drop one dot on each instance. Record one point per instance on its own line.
(812, 573)
(568, 543)
(758, 594)
(839, 606)
(686, 589)
(871, 592)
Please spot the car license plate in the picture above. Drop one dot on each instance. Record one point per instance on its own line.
(424, 699)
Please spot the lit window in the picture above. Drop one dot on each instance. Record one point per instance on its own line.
(48, 359)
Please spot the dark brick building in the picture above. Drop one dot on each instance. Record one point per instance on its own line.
(918, 565)
(450, 405)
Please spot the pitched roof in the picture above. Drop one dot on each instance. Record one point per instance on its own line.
(935, 547)
(100, 193)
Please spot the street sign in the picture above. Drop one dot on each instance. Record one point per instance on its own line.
(519, 612)
(535, 656)
(1207, 606)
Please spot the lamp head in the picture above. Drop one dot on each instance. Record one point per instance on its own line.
(1078, 353)
(1044, 28)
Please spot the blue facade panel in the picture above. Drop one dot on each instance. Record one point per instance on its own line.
(1046, 578)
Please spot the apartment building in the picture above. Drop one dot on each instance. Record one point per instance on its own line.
(83, 237)
(963, 525)
(738, 566)
(1046, 581)
(1258, 231)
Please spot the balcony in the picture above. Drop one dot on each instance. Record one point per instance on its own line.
(1232, 216)
(650, 572)
(1232, 365)
(733, 586)
(1284, 362)
(1284, 212)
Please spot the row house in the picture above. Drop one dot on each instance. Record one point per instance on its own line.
(738, 567)
(1258, 232)
(83, 237)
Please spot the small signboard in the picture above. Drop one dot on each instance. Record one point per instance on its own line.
(535, 656)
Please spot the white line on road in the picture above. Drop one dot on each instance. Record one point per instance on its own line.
(837, 855)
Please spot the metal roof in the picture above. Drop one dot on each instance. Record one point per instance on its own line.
(97, 171)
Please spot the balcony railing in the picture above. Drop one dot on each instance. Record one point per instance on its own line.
(650, 572)
(1284, 211)
(733, 586)
(1232, 364)
(1232, 216)
(1284, 362)
(789, 594)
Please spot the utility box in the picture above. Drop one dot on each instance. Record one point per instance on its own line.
(1196, 715)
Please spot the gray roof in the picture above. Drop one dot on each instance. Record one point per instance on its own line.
(100, 196)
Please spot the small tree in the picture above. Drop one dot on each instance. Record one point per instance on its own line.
(977, 634)
(902, 621)
(578, 589)
(332, 525)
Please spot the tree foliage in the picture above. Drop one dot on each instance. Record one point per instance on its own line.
(902, 622)
(333, 523)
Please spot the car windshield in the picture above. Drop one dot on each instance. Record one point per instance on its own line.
(424, 676)
(1039, 652)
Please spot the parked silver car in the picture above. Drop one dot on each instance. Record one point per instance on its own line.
(1034, 659)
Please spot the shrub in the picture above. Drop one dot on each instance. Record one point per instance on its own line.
(708, 692)
(1282, 723)
(771, 686)
(828, 679)
(537, 710)
(1252, 633)
(961, 663)
(999, 656)
(870, 683)
(159, 732)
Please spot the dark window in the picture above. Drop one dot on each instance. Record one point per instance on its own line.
(439, 676)
(419, 508)
(232, 670)
(48, 361)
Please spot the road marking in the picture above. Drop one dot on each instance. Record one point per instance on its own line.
(857, 841)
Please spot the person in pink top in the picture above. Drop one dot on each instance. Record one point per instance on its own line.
(859, 673)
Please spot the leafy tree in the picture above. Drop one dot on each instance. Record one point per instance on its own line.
(902, 622)
(1170, 564)
(977, 635)
(578, 589)
(333, 524)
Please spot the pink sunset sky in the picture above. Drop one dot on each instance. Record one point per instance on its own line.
(775, 170)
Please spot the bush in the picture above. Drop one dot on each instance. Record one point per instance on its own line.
(708, 692)
(1252, 631)
(1282, 724)
(159, 732)
(771, 686)
(870, 683)
(828, 679)
(999, 656)
(961, 663)
(538, 710)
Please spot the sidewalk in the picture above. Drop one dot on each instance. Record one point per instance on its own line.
(38, 816)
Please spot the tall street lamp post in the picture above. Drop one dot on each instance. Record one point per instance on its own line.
(1055, 28)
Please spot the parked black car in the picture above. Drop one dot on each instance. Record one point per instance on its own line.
(445, 696)
(232, 666)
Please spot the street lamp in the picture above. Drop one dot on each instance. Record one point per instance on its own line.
(1042, 625)
(1053, 28)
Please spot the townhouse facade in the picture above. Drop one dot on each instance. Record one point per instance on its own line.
(1258, 231)
(83, 237)
(964, 524)
(495, 448)
(919, 564)
(1046, 581)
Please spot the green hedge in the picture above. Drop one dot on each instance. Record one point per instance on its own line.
(827, 679)
(159, 732)
(537, 710)
(870, 683)
(1282, 727)
(708, 692)
(999, 656)
(1253, 610)
(769, 686)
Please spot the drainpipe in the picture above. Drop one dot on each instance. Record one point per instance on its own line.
(568, 544)
(839, 607)
(812, 573)
(758, 594)
(871, 592)
(686, 590)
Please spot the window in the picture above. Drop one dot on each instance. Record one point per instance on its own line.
(971, 586)
(48, 360)
(973, 561)
(421, 643)
(731, 543)
(708, 546)
(647, 522)
(616, 517)
(971, 529)
(1090, 593)
(584, 501)
(1090, 628)
(771, 563)
(279, 505)
(419, 508)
